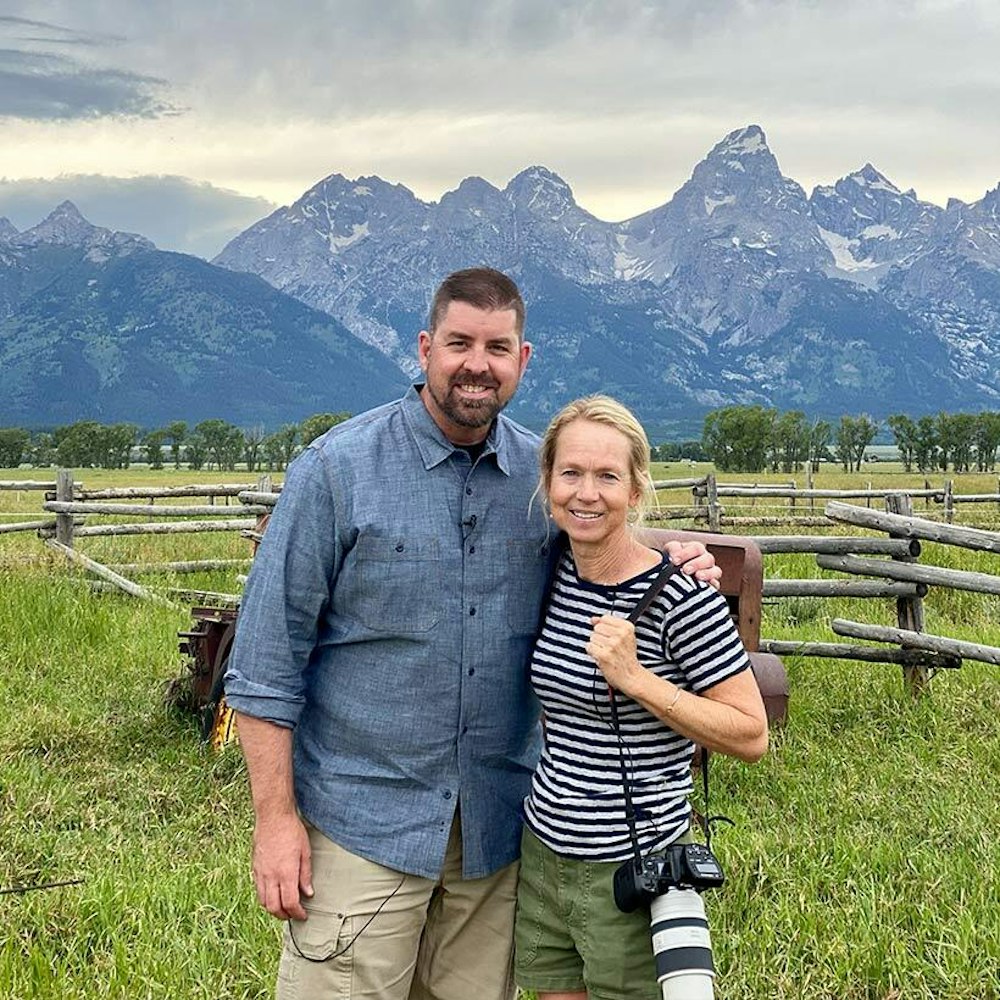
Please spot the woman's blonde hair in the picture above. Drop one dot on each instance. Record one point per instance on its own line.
(604, 410)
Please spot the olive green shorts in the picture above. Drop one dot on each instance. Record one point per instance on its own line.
(569, 935)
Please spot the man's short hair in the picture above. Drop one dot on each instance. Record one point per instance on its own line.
(482, 287)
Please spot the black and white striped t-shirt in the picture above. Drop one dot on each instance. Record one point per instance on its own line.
(576, 806)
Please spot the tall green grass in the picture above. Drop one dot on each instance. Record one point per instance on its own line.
(863, 866)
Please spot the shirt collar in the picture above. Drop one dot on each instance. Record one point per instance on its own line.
(435, 448)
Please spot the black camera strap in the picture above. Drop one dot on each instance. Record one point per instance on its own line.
(659, 581)
(705, 821)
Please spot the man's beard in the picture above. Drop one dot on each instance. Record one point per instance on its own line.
(468, 413)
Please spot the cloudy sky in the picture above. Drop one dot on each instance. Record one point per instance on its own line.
(215, 110)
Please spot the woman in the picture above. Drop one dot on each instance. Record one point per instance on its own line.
(681, 677)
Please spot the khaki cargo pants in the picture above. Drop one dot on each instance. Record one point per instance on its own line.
(445, 939)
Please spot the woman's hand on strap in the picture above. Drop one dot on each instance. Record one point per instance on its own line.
(694, 559)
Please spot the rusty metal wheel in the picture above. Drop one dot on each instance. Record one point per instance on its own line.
(217, 719)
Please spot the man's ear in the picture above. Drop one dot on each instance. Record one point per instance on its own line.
(423, 348)
(525, 352)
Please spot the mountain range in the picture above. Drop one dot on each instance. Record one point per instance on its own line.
(740, 289)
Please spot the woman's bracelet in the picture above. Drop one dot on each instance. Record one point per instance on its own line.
(677, 696)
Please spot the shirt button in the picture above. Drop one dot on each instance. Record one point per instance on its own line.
(472, 671)
(472, 612)
(472, 550)
(468, 491)
(465, 729)
(447, 794)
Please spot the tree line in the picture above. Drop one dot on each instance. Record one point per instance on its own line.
(756, 438)
(211, 444)
(734, 438)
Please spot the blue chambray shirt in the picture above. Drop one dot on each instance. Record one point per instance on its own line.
(389, 618)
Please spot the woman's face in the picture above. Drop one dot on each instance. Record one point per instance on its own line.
(590, 487)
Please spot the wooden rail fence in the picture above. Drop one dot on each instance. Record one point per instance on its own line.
(72, 508)
(757, 506)
(876, 566)
(899, 576)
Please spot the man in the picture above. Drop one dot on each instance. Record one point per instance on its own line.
(379, 674)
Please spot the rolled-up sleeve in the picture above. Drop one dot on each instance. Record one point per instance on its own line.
(286, 592)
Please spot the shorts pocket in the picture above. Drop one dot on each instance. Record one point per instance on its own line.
(528, 919)
(318, 938)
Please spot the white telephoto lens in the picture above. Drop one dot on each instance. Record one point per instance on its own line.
(682, 946)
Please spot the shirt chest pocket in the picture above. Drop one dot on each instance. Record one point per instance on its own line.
(395, 586)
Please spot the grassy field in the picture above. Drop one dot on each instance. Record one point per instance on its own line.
(864, 864)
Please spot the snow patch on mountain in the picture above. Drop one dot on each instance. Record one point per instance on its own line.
(359, 230)
(711, 204)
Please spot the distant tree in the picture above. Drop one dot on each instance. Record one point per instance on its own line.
(176, 434)
(118, 442)
(669, 451)
(692, 451)
(14, 443)
(42, 450)
(153, 443)
(196, 451)
(279, 447)
(904, 430)
(789, 441)
(953, 448)
(319, 423)
(253, 439)
(964, 441)
(735, 438)
(79, 445)
(222, 441)
(820, 435)
(925, 444)
(866, 430)
(853, 436)
(987, 438)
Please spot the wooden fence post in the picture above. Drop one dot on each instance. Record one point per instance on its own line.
(714, 510)
(949, 500)
(791, 500)
(64, 522)
(909, 610)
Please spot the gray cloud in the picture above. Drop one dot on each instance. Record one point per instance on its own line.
(610, 93)
(174, 212)
(57, 34)
(43, 85)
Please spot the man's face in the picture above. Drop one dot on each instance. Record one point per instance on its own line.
(473, 362)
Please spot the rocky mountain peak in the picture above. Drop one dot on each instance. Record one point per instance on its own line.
(991, 202)
(368, 195)
(740, 167)
(473, 196)
(7, 229)
(63, 225)
(870, 226)
(748, 141)
(538, 188)
(869, 177)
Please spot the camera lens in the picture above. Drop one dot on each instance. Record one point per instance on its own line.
(682, 946)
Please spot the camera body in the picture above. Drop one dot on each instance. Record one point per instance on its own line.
(671, 881)
(680, 866)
